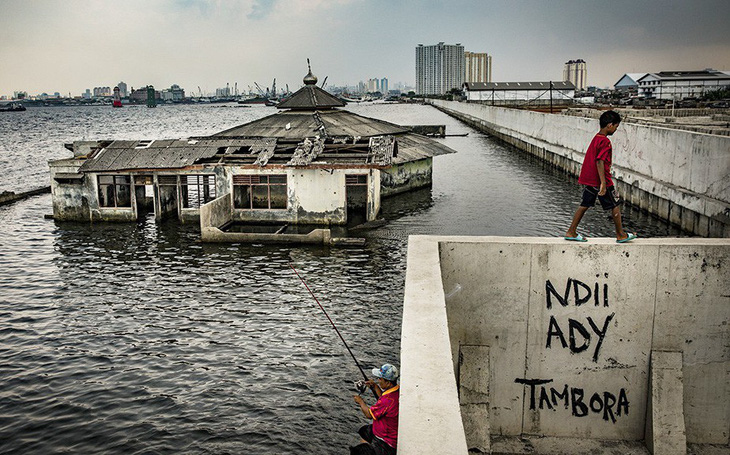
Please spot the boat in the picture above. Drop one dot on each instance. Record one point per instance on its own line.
(12, 107)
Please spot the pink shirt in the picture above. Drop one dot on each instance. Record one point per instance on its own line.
(385, 416)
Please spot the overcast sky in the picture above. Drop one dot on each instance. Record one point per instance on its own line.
(71, 45)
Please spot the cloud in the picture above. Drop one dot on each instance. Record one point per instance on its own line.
(261, 9)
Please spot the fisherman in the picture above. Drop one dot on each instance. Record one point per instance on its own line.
(380, 437)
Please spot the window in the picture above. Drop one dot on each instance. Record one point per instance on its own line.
(115, 191)
(197, 190)
(259, 192)
(356, 179)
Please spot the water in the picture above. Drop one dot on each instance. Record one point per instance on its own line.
(137, 338)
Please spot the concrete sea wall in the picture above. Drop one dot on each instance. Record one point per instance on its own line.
(680, 176)
(541, 337)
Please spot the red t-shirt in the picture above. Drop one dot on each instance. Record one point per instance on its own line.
(385, 416)
(600, 149)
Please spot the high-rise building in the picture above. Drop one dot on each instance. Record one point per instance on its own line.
(575, 71)
(439, 68)
(373, 85)
(478, 67)
(384, 86)
(122, 89)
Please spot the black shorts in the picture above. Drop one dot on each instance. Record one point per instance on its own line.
(374, 446)
(608, 201)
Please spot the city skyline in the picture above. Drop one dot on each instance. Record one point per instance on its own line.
(70, 46)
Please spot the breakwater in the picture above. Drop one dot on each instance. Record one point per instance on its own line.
(8, 197)
(679, 176)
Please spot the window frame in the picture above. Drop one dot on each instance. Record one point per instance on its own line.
(117, 182)
(205, 190)
(257, 181)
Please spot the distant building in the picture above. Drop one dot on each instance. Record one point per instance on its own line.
(669, 85)
(221, 92)
(439, 68)
(478, 67)
(100, 92)
(140, 95)
(384, 85)
(175, 94)
(122, 89)
(576, 72)
(86, 95)
(506, 93)
(629, 82)
(373, 85)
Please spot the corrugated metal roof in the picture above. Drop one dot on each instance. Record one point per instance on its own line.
(311, 97)
(297, 125)
(162, 154)
(482, 86)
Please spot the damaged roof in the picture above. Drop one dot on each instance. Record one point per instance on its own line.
(296, 125)
(159, 154)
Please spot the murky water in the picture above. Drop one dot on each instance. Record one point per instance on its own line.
(137, 338)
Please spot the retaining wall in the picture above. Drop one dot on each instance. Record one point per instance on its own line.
(566, 334)
(680, 176)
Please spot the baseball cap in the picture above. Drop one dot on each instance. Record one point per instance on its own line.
(387, 372)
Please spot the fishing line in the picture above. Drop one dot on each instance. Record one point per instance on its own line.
(333, 326)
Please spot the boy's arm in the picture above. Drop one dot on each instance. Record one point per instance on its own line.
(601, 175)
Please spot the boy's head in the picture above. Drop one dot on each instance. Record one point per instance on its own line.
(609, 117)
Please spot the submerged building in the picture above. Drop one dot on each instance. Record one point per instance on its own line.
(310, 163)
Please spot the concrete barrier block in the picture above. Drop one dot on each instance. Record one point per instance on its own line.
(665, 431)
(474, 396)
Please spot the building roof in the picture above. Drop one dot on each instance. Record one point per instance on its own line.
(310, 97)
(295, 125)
(181, 154)
(629, 79)
(704, 75)
(159, 154)
(483, 86)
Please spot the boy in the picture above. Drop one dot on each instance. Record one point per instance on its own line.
(595, 175)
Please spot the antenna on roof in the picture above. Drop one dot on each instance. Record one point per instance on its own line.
(309, 66)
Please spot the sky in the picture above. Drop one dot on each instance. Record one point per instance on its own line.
(67, 46)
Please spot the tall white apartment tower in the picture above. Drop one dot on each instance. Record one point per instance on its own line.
(439, 68)
(478, 67)
(575, 71)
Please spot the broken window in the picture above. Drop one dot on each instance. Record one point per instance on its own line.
(115, 191)
(261, 192)
(197, 190)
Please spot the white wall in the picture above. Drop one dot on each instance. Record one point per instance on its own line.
(689, 169)
(653, 294)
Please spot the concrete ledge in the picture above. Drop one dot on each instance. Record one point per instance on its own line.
(429, 415)
(665, 433)
(591, 381)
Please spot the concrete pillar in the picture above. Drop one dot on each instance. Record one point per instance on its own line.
(474, 396)
(665, 433)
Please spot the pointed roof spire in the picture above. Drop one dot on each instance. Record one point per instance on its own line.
(310, 79)
(310, 97)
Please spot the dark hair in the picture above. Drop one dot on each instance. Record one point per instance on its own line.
(609, 117)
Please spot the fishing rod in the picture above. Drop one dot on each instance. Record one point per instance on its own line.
(334, 327)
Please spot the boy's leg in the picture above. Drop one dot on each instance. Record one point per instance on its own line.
(616, 214)
(573, 229)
